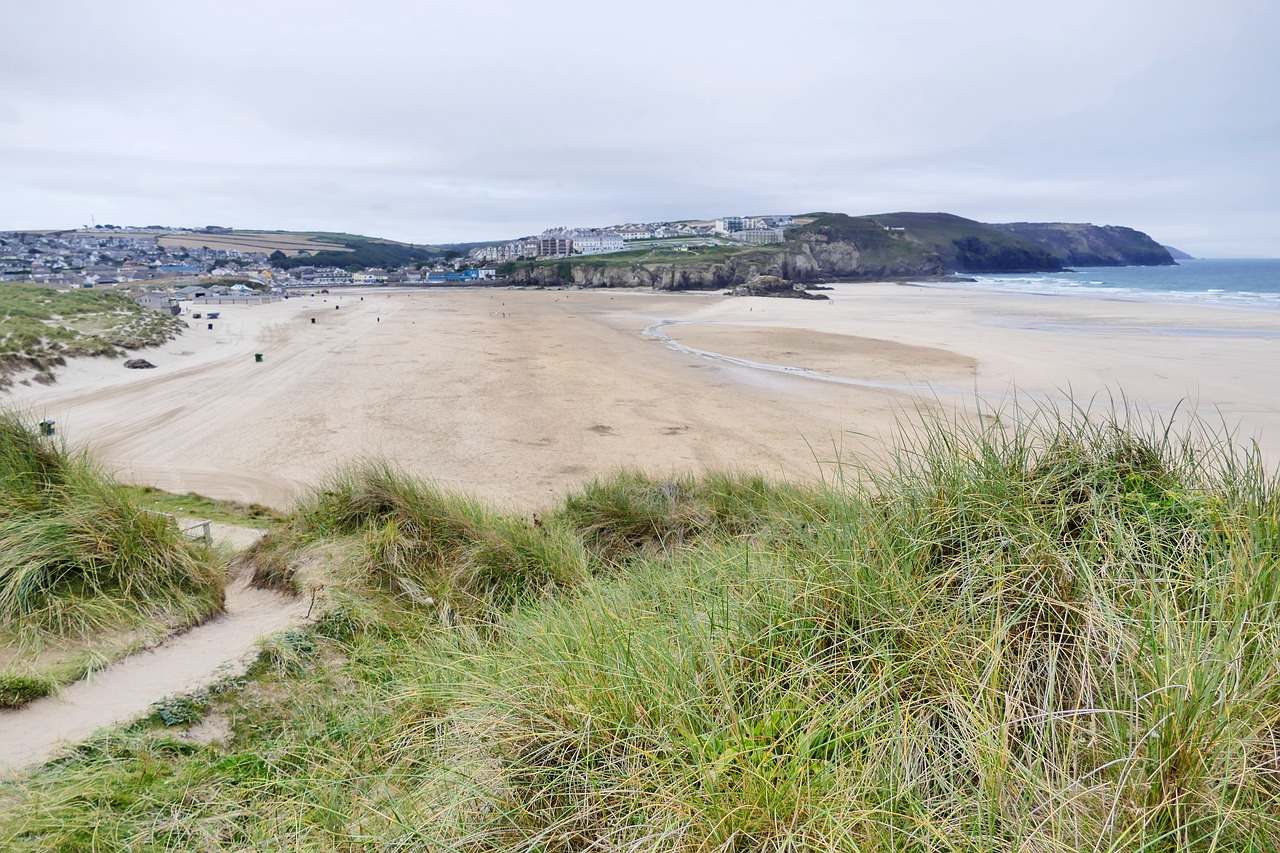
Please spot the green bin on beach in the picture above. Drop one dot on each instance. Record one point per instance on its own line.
(257, 356)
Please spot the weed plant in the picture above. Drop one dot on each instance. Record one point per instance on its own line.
(18, 690)
(1052, 633)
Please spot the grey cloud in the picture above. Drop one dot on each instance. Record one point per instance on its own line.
(460, 120)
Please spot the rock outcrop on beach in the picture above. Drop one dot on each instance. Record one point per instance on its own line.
(771, 285)
(1082, 245)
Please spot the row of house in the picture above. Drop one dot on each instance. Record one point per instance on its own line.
(103, 257)
(565, 242)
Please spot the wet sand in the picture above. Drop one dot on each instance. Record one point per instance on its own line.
(518, 396)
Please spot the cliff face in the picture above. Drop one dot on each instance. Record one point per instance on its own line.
(812, 256)
(967, 246)
(1081, 245)
(836, 247)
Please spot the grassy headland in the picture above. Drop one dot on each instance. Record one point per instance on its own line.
(819, 247)
(40, 328)
(968, 246)
(1060, 635)
(86, 572)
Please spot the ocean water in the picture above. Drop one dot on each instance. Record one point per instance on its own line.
(1245, 283)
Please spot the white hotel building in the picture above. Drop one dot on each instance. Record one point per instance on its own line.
(597, 244)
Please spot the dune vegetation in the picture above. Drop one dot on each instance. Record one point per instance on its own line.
(40, 328)
(86, 571)
(1048, 633)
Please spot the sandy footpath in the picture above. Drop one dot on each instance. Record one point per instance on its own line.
(518, 396)
(222, 647)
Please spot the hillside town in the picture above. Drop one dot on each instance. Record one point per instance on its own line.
(566, 242)
(170, 265)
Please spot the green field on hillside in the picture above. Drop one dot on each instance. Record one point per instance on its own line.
(660, 254)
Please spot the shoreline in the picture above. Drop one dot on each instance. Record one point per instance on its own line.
(1206, 282)
(517, 395)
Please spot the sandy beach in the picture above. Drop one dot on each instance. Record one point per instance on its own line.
(518, 396)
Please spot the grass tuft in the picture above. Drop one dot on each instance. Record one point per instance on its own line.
(18, 690)
(79, 557)
(425, 545)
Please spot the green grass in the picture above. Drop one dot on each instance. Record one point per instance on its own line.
(968, 246)
(641, 257)
(191, 504)
(670, 255)
(421, 543)
(1044, 634)
(18, 690)
(40, 328)
(84, 567)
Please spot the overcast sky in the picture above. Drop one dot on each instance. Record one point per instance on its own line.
(456, 120)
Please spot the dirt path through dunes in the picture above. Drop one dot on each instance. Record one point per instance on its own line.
(125, 691)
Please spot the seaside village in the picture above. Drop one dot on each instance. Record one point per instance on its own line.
(163, 267)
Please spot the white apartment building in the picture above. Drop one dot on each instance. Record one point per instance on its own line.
(597, 244)
(729, 224)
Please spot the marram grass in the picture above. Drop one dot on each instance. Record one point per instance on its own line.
(78, 554)
(1055, 635)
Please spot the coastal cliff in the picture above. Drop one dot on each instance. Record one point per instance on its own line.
(967, 246)
(1081, 245)
(829, 247)
(824, 247)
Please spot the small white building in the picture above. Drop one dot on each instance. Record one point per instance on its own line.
(159, 302)
(729, 225)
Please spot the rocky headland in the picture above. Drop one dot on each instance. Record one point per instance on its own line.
(1079, 245)
(827, 247)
